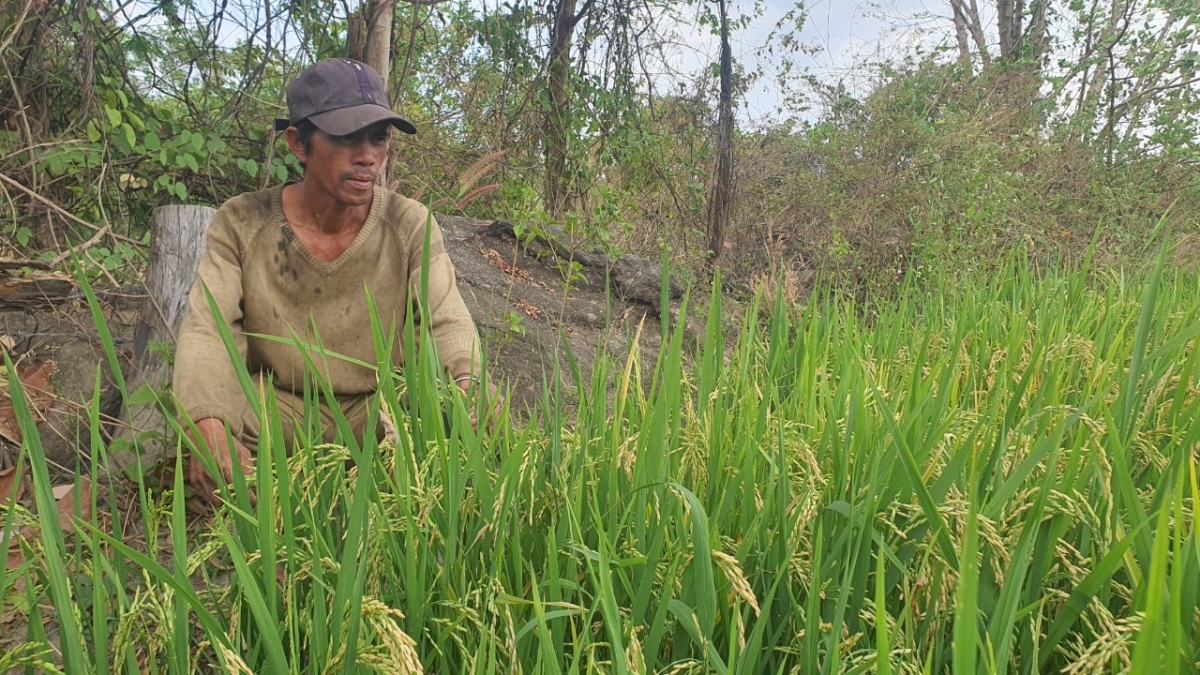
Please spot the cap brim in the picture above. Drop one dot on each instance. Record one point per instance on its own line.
(346, 121)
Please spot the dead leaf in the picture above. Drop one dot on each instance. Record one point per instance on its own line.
(14, 561)
(35, 378)
(390, 433)
(9, 478)
(67, 497)
(493, 256)
(40, 392)
(9, 429)
(531, 311)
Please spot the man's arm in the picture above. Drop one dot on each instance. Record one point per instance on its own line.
(212, 433)
(205, 382)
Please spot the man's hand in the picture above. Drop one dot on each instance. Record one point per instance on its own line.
(212, 435)
(469, 387)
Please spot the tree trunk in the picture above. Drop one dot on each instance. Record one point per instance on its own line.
(356, 34)
(1004, 22)
(960, 34)
(1037, 31)
(381, 17)
(557, 143)
(176, 245)
(379, 38)
(718, 208)
(967, 22)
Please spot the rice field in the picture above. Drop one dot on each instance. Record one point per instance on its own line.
(999, 477)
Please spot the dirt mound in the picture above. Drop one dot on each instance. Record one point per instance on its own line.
(529, 301)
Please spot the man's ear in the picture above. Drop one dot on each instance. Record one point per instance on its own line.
(295, 144)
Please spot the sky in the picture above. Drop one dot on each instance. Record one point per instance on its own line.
(843, 37)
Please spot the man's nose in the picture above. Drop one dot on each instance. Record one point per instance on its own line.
(364, 153)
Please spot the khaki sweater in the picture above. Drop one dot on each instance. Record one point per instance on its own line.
(265, 282)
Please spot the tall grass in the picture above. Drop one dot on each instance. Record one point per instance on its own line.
(999, 477)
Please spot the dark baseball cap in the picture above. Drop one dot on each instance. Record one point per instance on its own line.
(340, 97)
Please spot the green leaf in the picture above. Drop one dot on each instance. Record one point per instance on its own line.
(153, 142)
(114, 115)
(966, 605)
(135, 120)
(144, 395)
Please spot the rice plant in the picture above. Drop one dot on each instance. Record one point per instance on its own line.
(998, 477)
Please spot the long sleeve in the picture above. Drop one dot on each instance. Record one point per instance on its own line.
(205, 381)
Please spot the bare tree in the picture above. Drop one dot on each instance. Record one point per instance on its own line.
(558, 114)
(1020, 31)
(722, 191)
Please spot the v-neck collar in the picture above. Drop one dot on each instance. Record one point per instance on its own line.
(359, 239)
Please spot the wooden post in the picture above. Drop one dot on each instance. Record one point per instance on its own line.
(177, 242)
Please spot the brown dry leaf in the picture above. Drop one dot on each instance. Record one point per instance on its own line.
(66, 496)
(493, 256)
(9, 478)
(390, 433)
(36, 380)
(530, 310)
(15, 560)
(9, 429)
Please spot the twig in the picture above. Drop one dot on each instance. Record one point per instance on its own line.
(16, 26)
(82, 247)
(20, 104)
(102, 268)
(64, 213)
(30, 149)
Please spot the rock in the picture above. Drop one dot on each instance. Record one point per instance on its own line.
(65, 335)
(502, 229)
(636, 279)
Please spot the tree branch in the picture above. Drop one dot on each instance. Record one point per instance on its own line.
(64, 213)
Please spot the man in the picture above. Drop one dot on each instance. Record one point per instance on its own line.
(283, 260)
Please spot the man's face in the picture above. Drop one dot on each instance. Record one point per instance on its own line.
(344, 167)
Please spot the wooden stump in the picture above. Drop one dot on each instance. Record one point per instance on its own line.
(177, 243)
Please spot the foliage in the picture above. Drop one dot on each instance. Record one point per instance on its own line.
(1006, 476)
(935, 175)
